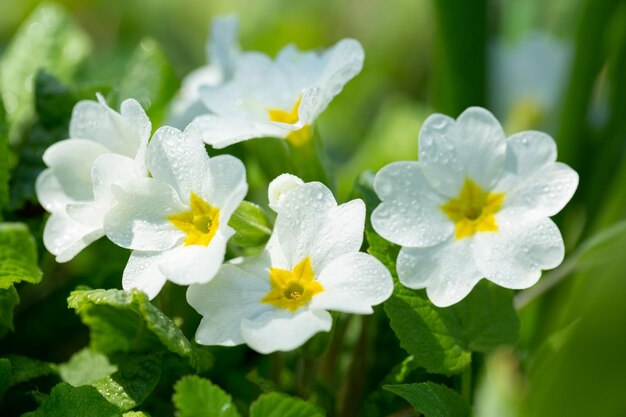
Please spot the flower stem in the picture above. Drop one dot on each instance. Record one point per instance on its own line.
(466, 384)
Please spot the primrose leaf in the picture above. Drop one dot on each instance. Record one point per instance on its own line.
(5, 376)
(280, 405)
(47, 39)
(8, 300)
(121, 321)
(18, 255)
(195, 396)
(26, 369)
(68, 401)
(432, 400)
(252, 227)
(4, 158)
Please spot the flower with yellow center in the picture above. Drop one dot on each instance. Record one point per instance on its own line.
(176, 222)
(476, 205)
(279, 299)
(279, 98)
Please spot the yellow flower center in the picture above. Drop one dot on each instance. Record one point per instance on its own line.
(473, 210)
(297, 137)
(200, 224)
(292, 289)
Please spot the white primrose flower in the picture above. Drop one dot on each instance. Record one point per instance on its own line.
(277, 300)
(222, 51)
(280, 187)
(105, 147)
(475, 205)
(176, 222)
(280, 98)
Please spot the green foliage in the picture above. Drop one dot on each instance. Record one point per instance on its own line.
(251, 225)
(195, 396)
(280, 405)
(432, 400)
(4, 158)
(85, 368)
(47, 39)
(5, 376)
(122, 321)
(150, 79)
(18, 255)
(68, 401)
(8, 300)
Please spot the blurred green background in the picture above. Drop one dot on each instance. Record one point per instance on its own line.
(558, 66)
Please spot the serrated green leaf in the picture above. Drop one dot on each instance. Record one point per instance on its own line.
(195, 396)
(47, 39)
(8, 300)
(251, 225)
(280, 405)
(121, 321)
(136, 414)
(26, 369)
(68, 401)
(85, 368)
(4, 158)
(150, 79)
(5, 376)
(432, 400)
(18, 255)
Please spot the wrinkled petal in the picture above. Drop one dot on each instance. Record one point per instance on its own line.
(140, 219)
(353, 283)
(225, 184)
(65, 238)
(471, 147)
(142, 272)
(410, 213)
(447, 271)
(515, 255)
(179, 160)
(281, 330)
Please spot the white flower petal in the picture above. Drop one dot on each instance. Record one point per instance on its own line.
(222, 131)
(65, 238)
(139, 220)
(225, 185)
(532, 181)
(223, 47)
(107, 170)
(353, 283)
(142, 272)
(282, 330)
(195, 264)
(132, 111)
(447, 271)
(50, 193)
(71, 161)
(410, 213)
(178, 160)
(514, 256)
(97, 122)
(279, 187)
(471, 147)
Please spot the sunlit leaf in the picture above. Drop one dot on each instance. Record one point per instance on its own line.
(432, 400)
(18, 255)
(195, 396)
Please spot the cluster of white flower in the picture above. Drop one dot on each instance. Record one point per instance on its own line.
(476, 205)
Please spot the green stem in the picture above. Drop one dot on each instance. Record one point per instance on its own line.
(308, 160)
(351, 392)
(466, 384)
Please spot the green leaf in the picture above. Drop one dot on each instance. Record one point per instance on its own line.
(68, 401)
(4, 158)
(150, 79)
(5, 376)
(136, 414)
(47, 39)
(251, 225)
(121, 321)
(26, 369)
(8, 300)
(18, 255)
(432, 400)
(85, 368)
(280, 405)
(195, 396)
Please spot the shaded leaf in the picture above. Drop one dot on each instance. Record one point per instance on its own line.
(85, 368)
(4, 158)
(195, 396)
(18, 255)
(280, 405)
(26, 369)
(432, 400)
(5, 376)
(68, 401)
(8, 300)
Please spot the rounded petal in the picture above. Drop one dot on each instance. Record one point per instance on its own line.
(447, 271)
(223, 47)
(178, 160)
(65, 237)
(195, 264)
(515, 255)
(410, 213)
(107, 170)
(221, 131)
(471, 147)
(279, 187)
(50, 193)
(142, 272)
(533, 182)
(353, 283)
(132, 111)
(71, 162)
(139, 219)
(225, 184)
(282, 330)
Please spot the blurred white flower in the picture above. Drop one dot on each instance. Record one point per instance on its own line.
(280, 187)
(176, 221)
(279, 299)
(280, 98)
(527, 79)
(104, 147)
(222, 52)
(475, 205)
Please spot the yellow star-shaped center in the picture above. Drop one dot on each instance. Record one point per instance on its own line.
(199, 224)
(297, 137)
(473, 210)
(292, 289)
